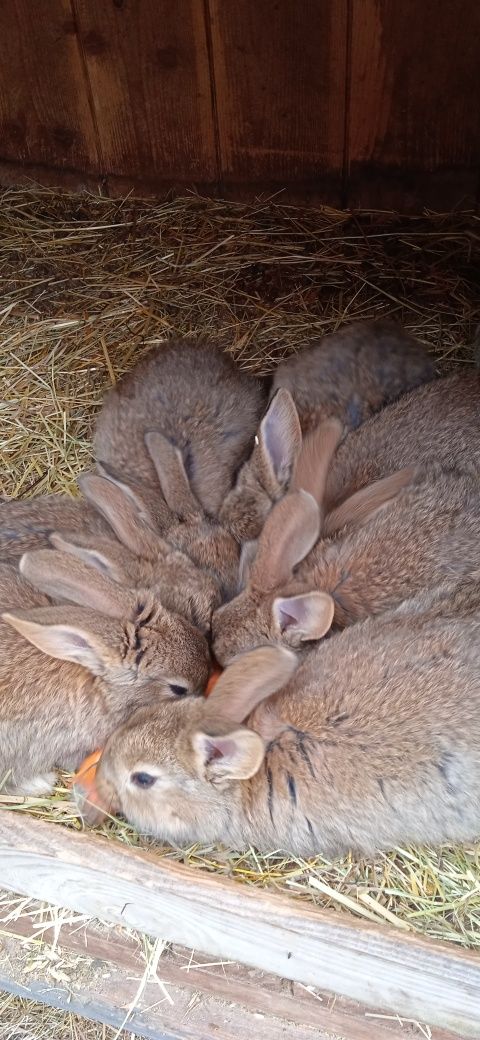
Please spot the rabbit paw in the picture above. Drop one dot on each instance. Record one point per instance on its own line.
(37, 785)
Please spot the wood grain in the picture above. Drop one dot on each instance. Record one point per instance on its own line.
(414, 112)
(118, 966)
(45, 117)
(279, 71)
(193, 1016)
(148, 69)
(376, 966)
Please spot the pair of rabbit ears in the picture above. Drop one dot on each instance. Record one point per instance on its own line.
(290, 531)
(125, 511)
(223, 748)
(96, 578)
(295, 523)
(89, 633)
(286, 458)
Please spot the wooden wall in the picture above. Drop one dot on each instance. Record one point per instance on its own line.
(349, 102)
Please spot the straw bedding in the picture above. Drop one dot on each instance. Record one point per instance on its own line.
(89, 284)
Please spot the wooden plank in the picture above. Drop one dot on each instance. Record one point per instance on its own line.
(405, 974)
(279, 71)
(258, 992)
(45, 117)
(192, 1016)
(413, 118)
(150, 83)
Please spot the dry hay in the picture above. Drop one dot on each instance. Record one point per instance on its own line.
(23, 1019)
(88, 284)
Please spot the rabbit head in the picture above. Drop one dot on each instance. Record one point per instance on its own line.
(176, 773)
(208, 544)
(277, 604)
(364, 748)
(255, 616)
(122, 634)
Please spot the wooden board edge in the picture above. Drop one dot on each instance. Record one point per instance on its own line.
(118, 956)
(377, 966)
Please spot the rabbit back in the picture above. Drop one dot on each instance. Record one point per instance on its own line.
(199, 400)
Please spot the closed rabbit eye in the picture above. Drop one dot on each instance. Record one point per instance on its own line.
(179, 691)
(143, 780)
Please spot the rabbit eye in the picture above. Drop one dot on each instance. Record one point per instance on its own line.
(179, 691)
(143, 780)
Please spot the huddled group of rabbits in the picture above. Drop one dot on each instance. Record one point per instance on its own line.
(316, 533)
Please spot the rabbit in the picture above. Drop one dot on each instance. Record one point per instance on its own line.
(181, 449)
(428, 531)
(85, 527)
(177, 428)
(183, 587)
(201, 403)
(439, 421)
(373, 742)
(345, 378)
(214, 544)
(353, 372)
(69, 675)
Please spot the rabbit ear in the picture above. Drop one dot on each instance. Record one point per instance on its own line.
(249, 679)
(314, 460)
(70, 635)
(62, 577)
(221, 758)
(366, 503)
(174, 482)
(299, 618)
(247, 556)
(280, 439)
(107, 557)
(290, 531)
(124, 510)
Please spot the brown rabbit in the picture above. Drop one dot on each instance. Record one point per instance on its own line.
(344, 378)
(86, 530)
(354, 372)
(201, 403)
(69, 675)
(439, 421)
(184, 418)
(427, 533)
(374, 742)
(182, 586)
